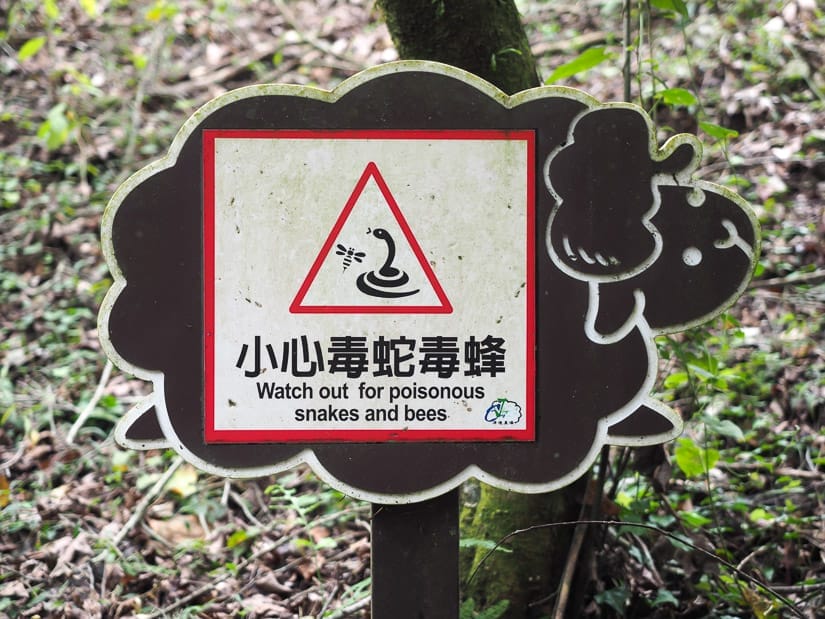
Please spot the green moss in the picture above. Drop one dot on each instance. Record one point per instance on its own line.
(484, 37)
(531, 563)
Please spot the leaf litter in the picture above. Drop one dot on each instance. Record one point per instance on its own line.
(105, 92)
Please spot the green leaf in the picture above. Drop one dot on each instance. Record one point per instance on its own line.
(326, 543)
(663, 596)
(724, 427)
(676, 380)
(585, 61)
(50, 7)
(30, 48)
(694, 520)
(760, 515)
(759, 270)
(237, 538)
(467, 610)
(161, 10)
(471, 542)
(692, 460)
(496, 611)
(55, 129)
(677, 97)
(615, 598)
(717, 131)
(90, 6)
(139, 61)
(677, 6)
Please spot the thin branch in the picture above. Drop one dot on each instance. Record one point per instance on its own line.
(592, 499)
(146, 501)
(351, 609)
(814, 277)
(90, 407)
(809, 588)
(754, 581)
(240, 502)
(223, 74)
(313, 40)
(779, 471)
(7, 464)
(569, 569)
(328, 600)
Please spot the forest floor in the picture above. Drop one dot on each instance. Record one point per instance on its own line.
(91, 91)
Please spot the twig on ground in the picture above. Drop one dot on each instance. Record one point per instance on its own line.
(291, 19)
(649, 563)
(140, 508)
(328, 599)
(253, 557)
(750, 556)
(21, 448)
(227, 486)
(809, 588)
(240, 502)
(90, 407)
(814, 277)
(782, 471)
(351, 609)
(223, 74)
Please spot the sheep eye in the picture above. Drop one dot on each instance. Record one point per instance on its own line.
(691, 256)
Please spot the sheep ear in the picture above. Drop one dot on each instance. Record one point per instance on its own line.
(139, 427)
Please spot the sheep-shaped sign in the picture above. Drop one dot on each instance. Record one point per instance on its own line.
(412, 280)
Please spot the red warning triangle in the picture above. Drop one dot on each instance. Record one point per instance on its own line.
(371, 262)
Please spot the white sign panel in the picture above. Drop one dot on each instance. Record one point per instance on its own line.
(369, 285)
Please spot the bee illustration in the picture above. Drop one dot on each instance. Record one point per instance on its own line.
(349, 255)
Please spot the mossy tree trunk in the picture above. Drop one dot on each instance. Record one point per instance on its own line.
(486, 37)
(528, 571)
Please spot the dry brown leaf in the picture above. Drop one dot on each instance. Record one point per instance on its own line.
(264, 606)
(184, 482)
(178, 529)
(69, 549)
(318, 533)
(4, 490)
(13, 589)
(269, 583)
(308, 566)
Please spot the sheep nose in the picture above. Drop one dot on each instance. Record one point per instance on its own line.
(733, 240)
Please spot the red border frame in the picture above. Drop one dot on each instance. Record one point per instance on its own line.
(211, 435)
(444, 307)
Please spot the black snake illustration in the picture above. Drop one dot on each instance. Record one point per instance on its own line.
(375, 284)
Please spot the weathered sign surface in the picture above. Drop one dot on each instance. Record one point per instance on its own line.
(351, 295)
(412, 280)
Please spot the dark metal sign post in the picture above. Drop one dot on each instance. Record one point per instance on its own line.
(408, 282)
(415, 559)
